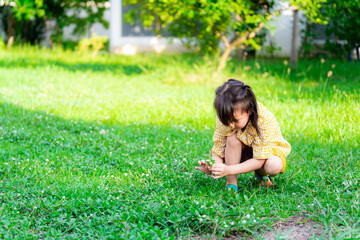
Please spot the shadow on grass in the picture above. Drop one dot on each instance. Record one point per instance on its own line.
(316, 75)
(127, 69)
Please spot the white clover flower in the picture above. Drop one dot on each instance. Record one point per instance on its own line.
(244, 221)
(251, 209)
(254, 221)
(248, 216)
(125, 174)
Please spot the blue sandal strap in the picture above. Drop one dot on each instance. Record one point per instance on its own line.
(231, 187)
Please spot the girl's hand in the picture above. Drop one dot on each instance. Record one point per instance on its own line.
(219, 170)
(203, 167)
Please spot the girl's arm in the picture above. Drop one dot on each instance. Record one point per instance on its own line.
(220, 170)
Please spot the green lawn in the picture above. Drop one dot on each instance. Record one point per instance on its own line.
(106, 147)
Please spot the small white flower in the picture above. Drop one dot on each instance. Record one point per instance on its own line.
(102, 131)
(47, 160)
(254, 221)
(248, 216)
(91, 215)
(112, 176)
(42, 191)
(125, 174)
(117, 198)
(63, 197)
(162, 201)
(6, 163)
(251, 209)
(244, 221)
(196, 202)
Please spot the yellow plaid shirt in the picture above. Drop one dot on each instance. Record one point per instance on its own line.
(262, 148)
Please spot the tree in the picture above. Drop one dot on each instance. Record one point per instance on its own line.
(345, 24)
(204, 23)
(81, 13)
(21, 10)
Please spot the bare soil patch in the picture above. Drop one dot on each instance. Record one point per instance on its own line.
(294, 228)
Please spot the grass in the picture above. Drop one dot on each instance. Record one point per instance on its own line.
(106, 147)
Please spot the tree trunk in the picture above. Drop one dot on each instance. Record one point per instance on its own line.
(222, 60)
(11, 28)
(48, 41)
(294, 48)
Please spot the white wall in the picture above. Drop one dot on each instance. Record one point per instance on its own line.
(282, 36)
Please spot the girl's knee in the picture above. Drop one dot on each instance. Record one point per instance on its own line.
(273, 166)
(233, 142)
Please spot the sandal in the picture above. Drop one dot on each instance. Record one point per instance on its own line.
(231, 187)
(260, 179)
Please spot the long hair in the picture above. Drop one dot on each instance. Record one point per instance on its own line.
(236, 95)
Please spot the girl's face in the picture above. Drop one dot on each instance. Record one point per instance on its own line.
(242, 118)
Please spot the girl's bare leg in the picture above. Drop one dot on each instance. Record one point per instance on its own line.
(233, 152)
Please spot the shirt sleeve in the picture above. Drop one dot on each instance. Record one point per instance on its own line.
(262, 146)
(219, 139)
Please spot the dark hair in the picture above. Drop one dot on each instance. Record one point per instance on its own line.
(233, 95)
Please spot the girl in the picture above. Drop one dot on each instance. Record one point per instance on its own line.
(247, 137)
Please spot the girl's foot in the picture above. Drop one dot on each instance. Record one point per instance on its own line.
(264, 180)
(232, 187)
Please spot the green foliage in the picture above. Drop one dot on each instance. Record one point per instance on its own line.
(106, 148)
(28, 9)
(95, 43)
(200, 23)
(205, 23)
(345, 25)
(19, 15)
